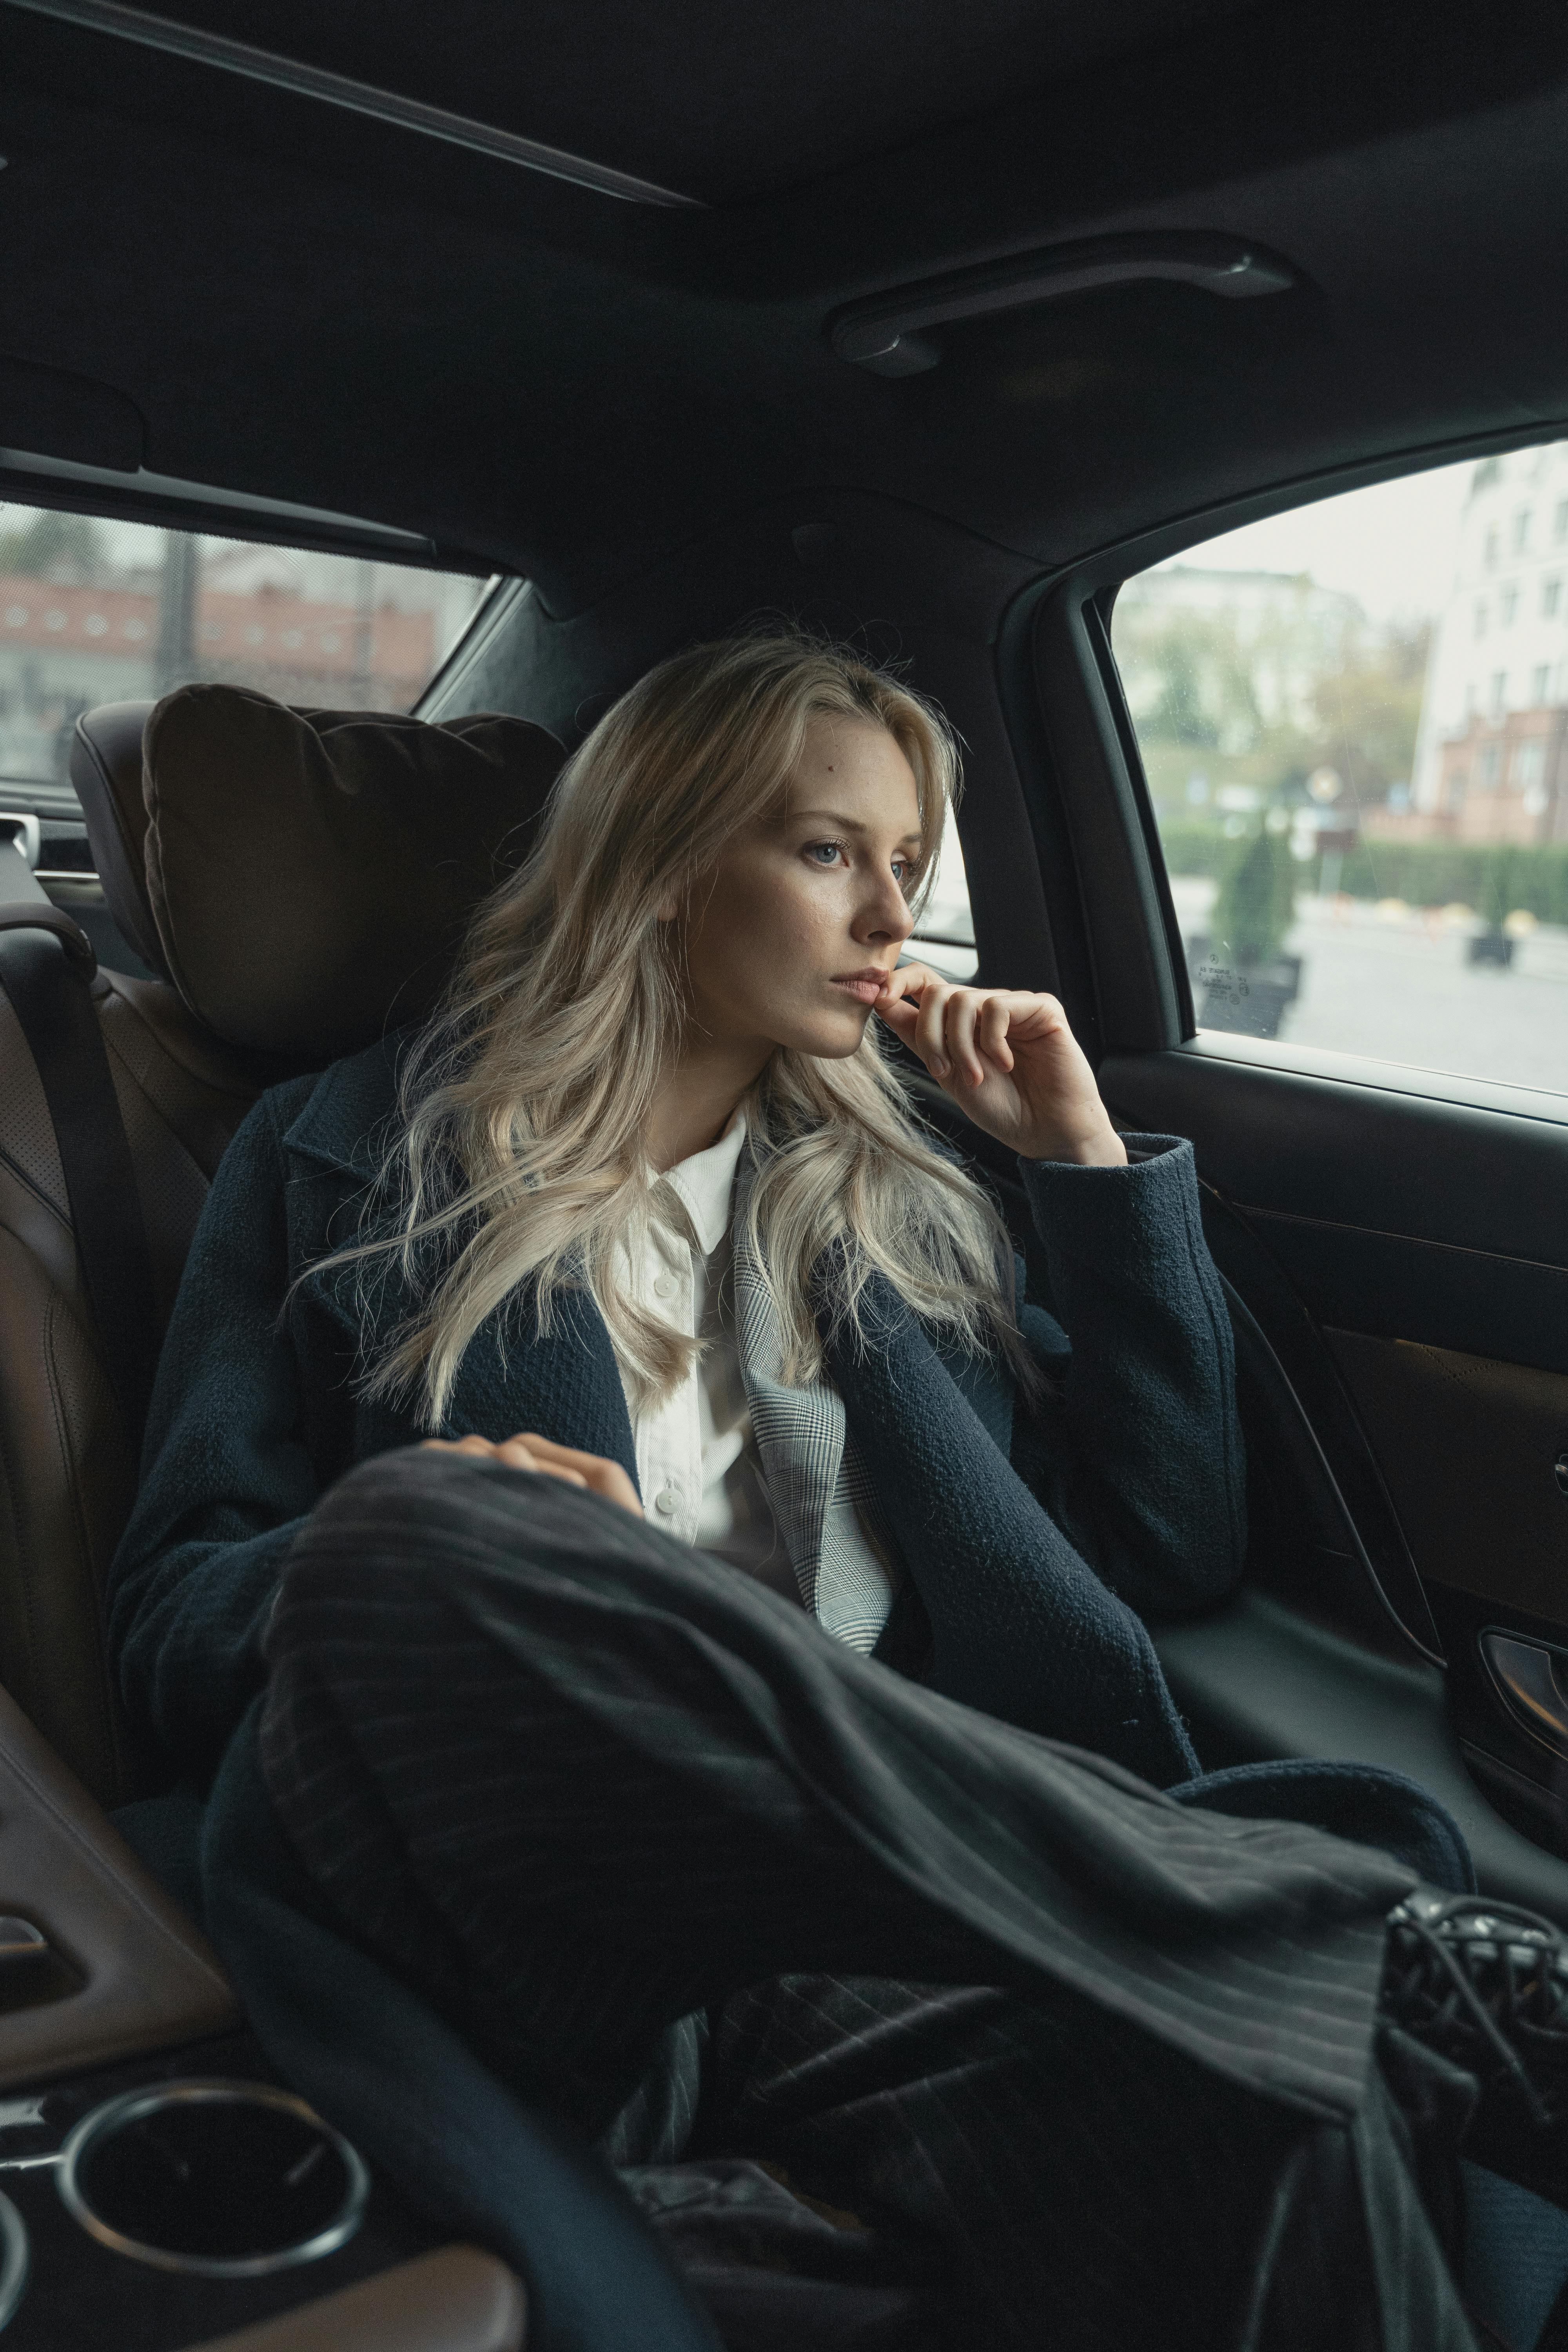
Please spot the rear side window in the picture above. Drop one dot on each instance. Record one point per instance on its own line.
(1352, 721)
(96, 611)
(945, 936)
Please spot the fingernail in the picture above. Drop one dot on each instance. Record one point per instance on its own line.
(937, 1067)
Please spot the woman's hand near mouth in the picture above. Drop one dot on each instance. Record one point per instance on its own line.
(1010, 1062)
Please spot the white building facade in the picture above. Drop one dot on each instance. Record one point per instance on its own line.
(1491, 760)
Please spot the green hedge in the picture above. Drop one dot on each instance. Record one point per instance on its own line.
(1194, 849)
(1495, 881)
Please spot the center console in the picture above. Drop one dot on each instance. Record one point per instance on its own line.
(160, 2189)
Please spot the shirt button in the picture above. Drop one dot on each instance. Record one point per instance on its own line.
(665, 1287)
(668, 1501)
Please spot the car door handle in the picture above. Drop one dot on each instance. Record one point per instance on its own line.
(1532, 1682)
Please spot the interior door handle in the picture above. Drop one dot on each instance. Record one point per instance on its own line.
(882, 334)
(1531, 1680)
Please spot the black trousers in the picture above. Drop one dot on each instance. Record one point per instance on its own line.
(682, 1869)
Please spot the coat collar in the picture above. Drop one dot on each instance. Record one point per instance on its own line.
(341, 1123)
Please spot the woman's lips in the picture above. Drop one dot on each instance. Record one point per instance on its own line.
(864, 986)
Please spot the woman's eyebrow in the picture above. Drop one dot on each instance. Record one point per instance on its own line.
(844, 824)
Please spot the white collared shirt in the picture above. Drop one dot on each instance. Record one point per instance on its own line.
(696, 1459)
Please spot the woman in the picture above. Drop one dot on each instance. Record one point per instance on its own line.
(686, 982)
(645, 1223)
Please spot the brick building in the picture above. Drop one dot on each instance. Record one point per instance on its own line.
(320, 629)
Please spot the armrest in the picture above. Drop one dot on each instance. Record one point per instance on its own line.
(126, 1970)
(458, 2300)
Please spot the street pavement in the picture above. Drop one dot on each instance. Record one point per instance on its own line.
(1396, 985)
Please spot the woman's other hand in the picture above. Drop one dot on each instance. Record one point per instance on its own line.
(1008, 1060)
(531, 1452)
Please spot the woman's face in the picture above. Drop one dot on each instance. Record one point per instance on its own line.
(805, 912)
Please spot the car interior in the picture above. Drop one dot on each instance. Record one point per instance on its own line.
(934, 330)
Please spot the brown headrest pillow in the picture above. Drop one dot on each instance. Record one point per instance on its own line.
(106, 770)
(311, 872)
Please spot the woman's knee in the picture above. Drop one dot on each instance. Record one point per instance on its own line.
(420, 1523)
(386, 1528)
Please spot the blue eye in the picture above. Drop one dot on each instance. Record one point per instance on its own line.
(834, 849)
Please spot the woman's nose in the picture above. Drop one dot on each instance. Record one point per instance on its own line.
(885, 916)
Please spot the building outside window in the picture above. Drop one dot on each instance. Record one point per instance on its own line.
(95, 611)
(1508, 605)
(1366, 838)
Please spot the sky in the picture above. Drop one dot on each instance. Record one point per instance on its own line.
(1393, 546)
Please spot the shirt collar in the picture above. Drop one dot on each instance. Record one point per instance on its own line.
(706, 1181)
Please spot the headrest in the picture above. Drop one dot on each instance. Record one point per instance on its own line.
(106, 770)
(305, 876)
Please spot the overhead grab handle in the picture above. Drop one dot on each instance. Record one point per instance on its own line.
(884, 335)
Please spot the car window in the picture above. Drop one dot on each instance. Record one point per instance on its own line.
(97, 611)
(944, 932)
(1352, 718)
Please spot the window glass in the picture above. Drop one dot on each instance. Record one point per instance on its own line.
(1361, 789)
(945, 934)
(95, 611)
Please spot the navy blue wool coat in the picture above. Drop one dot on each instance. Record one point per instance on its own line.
(1030, 1540)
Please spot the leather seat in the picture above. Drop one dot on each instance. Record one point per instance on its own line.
(299, 881)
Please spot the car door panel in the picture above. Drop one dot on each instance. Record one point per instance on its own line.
(1474, 1302)
(1365, 1153)
(1468, 1447)
(1283, 1502)
(1260, 1679)
(1402, 1257)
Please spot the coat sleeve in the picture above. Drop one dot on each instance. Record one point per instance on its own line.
(227, 1477)
(1138, 1453)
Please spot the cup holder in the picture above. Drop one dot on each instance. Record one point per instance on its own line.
(226, 2179)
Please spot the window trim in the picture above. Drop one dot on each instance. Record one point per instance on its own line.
(1409, 1078)
(504, 593)
(163, 502)
(265, 523)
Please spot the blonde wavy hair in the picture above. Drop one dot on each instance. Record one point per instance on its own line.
(519, 1167)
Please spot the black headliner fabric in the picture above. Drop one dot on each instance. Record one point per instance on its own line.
(723, 101)
(315, 306)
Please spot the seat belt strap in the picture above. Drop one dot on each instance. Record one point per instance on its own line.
(47, 965)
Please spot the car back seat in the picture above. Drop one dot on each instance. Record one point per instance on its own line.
(300, 880)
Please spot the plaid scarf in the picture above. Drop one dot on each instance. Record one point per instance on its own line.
(827, 1511)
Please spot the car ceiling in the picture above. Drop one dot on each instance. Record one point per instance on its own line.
(308, 304)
